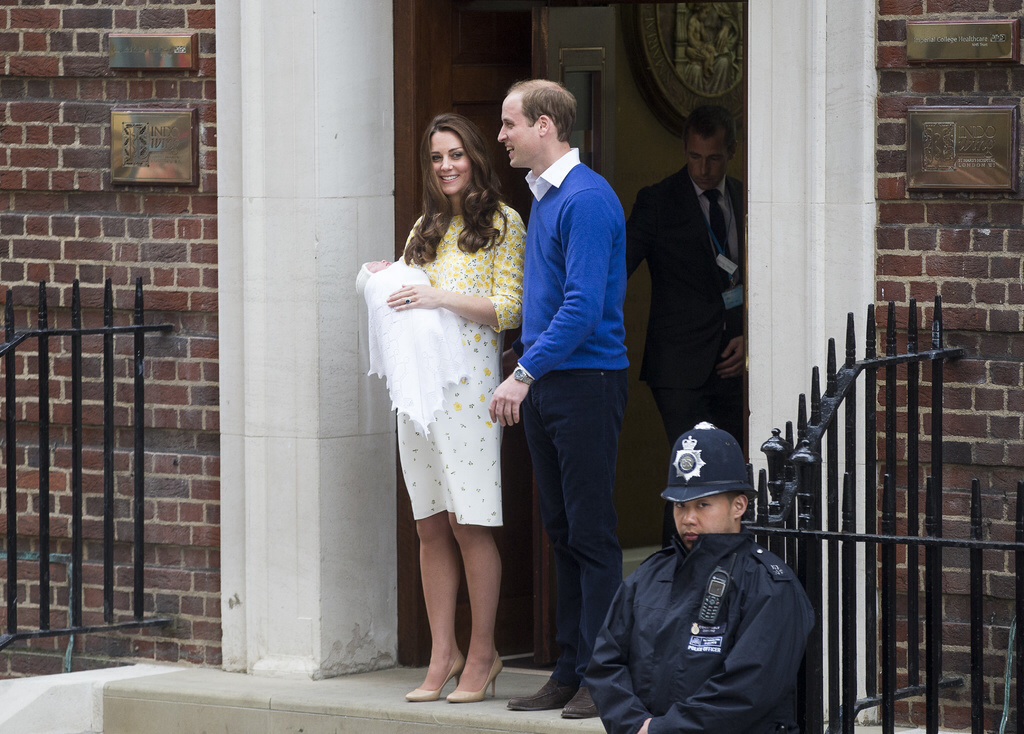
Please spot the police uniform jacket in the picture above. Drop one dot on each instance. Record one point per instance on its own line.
(653, 659)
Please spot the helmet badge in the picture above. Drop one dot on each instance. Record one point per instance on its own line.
(688, 462)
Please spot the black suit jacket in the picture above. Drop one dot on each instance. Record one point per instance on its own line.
(688, 323)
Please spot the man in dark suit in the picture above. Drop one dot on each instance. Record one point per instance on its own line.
(689, 229)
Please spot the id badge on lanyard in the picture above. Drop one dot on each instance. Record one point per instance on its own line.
(723, 261)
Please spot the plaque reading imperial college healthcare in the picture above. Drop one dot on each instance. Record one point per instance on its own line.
(153, 51)
(930, 41)
(154, 146)
(963, 148)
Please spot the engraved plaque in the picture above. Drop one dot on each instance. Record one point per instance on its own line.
(154, 146)
(930, 41)
(153, 51)
(963, 148)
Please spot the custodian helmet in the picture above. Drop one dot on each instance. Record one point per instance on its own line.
(705, 461)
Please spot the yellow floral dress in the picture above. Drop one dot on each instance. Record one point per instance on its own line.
(457, 467)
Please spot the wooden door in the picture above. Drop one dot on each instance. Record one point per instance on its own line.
(454, 56)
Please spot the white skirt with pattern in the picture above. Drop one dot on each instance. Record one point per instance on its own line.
(457, 468)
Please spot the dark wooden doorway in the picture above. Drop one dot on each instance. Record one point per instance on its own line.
(462, 55)
(454, 57)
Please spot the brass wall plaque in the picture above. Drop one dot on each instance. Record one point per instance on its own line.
(930, 41)
(153, 51)
(963, 148)
(154, 146)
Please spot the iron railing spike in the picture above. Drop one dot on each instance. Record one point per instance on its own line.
(830, 369)
(937, 323)
(912, 327)
(890, 330)
(815, 397)
(870, 334)
(851, 341)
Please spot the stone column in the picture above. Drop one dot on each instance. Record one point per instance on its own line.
(306, 179)
(811, 186)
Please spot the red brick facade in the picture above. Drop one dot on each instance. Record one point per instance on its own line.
(966, 247)
(64, 220)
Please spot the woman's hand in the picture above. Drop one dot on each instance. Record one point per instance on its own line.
(417, 296)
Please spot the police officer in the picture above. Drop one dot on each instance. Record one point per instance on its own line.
(709, 633)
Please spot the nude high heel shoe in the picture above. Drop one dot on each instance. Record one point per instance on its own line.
(458, 696)
(422, 695)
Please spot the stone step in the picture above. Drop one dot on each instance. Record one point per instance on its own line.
(61, 704)
(195, 700)
(198, 700)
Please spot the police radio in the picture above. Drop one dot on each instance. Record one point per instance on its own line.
(718, 586)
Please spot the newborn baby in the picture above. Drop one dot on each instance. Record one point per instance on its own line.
(417, 351)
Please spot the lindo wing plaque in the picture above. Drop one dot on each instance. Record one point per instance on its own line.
(154, 146)
(963, 148)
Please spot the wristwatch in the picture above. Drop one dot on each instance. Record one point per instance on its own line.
(521, 375)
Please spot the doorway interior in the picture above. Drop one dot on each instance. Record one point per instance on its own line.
(455, 55)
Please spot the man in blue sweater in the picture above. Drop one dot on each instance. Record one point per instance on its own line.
(570, 384)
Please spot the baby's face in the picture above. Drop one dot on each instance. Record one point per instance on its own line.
(377, 265)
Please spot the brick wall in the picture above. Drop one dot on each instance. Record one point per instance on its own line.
(63, 220)
(967, 248)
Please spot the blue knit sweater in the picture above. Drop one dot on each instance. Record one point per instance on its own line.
(575, 278)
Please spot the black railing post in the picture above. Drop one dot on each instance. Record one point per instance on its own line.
(11, 459)
(849, 618)
(870, 510)
(44, 463)
(140, 453)
(76, 457)
(889, 606)
(1018, 568)
(913, 510)
(933, 607)
(108, 453)
(808, 561)
(832, 503)
(934, 613)
(977, 610)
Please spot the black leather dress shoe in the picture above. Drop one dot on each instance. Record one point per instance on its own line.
(581, 706)
(552, 695)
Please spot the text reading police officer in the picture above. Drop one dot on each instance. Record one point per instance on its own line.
(708, 634)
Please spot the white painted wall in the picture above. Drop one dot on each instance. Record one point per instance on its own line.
(812, 91)
(306, 179)
(812, 88)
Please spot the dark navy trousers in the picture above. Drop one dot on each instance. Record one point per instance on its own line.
(572, 420)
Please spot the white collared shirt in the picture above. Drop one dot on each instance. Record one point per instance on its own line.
(554, 174)
(730, 218)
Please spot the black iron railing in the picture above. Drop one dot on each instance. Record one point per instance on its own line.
(13, 400)
(808, 515)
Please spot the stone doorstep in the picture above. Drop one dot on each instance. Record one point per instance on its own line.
(200, 699)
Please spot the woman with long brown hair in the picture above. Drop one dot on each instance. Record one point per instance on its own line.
(471, 246)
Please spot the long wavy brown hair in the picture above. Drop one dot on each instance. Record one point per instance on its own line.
(480, 199)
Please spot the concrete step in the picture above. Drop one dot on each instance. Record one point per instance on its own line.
(203, 700)
(61, 704)
(196, 700)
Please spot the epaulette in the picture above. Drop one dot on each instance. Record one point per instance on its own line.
(775, 566)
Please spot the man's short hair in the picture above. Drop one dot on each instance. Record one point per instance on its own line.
(545, 97)
(708, 120)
